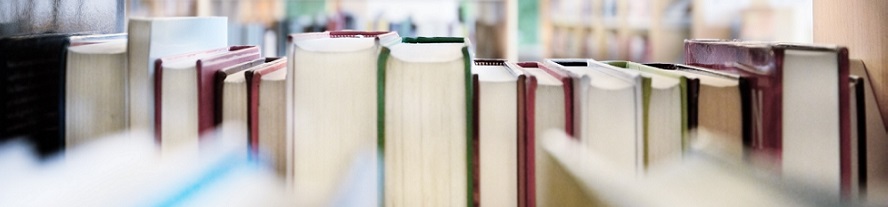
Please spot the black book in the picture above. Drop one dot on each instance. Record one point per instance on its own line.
(32, 80)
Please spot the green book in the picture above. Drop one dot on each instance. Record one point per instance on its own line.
(426, 122)
(666, 112)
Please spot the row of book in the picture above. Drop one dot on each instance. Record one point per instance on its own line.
(448, 129)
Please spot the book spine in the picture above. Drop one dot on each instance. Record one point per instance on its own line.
(381, 62)
(530, 142)
(845, 123)
(520, 139)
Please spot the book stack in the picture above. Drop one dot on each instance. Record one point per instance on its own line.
(443, 128)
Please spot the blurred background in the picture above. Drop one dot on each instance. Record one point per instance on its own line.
(636, 30)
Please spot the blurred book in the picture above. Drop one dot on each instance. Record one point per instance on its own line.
(609, 109)
(32, 79)
(95, 90)
(665, 116)
(184, 93)
(230, 86)
(266, 111)
(331, 106)
(698, 180)
(719, 109)
(800, 106)
(548, 103)
(125, 170)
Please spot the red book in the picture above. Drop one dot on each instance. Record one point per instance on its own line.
(545, 102)
(254, 86)
(800, 105)
(190, 80)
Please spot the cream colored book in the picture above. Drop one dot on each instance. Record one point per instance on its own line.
(332, 113)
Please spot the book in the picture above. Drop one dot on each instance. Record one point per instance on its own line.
(32, 77)
(719, 109)
(95, 91)
(876, 137)
(266, 84)
(425, 95)
(152, 38)
(184, 95)
(666, 126)
(697, 180)
(800, 105)
(331, 98)
(549, 99)
(231, 100)
(609, 106)
(501, 101)
(857, 106)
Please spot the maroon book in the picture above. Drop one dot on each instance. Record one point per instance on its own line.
(764, 65)
(521, 124)
(210, 62)
(254, 77)
(529, 179)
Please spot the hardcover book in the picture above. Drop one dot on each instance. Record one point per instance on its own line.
(32, 79)
(609, 106)
(95, 91)
(500, 98)
(266, 84)
(425, 93)
(548, 105)
(184, 92)
(331, 103)
(719, 109)
(800, 105)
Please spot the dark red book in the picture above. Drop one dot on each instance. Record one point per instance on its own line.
(174, 74)
(254, 83)
(800, 105)
(538, 76)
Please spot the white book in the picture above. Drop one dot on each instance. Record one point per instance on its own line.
(664, 110)
(426, 101)
(331, 97)
(498, 135)
(549, 95)
(152, 38)
(608, 108)
(95, 91)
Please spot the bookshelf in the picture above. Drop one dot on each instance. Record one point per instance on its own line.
(642, 31)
